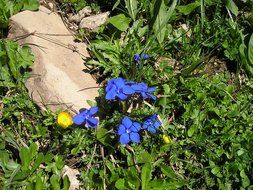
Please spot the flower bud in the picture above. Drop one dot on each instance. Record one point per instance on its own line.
(166, 139)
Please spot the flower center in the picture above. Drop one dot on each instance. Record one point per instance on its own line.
(119, 90)
(128, 131)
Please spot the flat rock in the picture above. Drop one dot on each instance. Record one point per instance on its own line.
(86, 11)
(94, 21)
(57, 79)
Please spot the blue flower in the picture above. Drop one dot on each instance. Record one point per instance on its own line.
(118, 88)
(86, 117)
(143, 56)
(144, 90)
(152, 123)
(128, 131)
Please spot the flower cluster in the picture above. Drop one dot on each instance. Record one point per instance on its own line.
(121, 88)
(86, 117)
(152, 123)
(118, 88)
(128, 129)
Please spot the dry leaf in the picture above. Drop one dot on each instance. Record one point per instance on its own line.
(72, 175)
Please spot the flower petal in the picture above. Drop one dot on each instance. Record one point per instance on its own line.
(137, 57)
(135, 137)
(151, 129)
(121, 96)
(144, 56)
(152, 89)
(121, 129)
(126, 121)
(110, 95)
(124, 138)
(128, 90)
(153, 97)
(93, 110)
(110, 86)
(135, 127)
(145, 125)
(144, 95)
(119, 82)
(137, 87)
(79, 119)
(157, 124)
(92, 122)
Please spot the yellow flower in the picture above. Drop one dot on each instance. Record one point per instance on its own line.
(166, 139)
(64, 119)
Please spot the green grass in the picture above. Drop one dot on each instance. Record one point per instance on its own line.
(203, 74)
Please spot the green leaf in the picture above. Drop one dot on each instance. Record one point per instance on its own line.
(216, 171)
(31, 5)
(167, 171)
(25, 157)
(192, 130)
(144, 157)
(26, 58)
(91, 103)
(120, 21)
(250, 49)
(33, 149)
(245, 179)
(131, 178)
(187, 9)
(116, 4)
(30, 186)
(54, 182)
(17, 57)
(246, 64)
(132, 9)
(240, 152)
(120, 184)
(160, 20)
(21, 175)
(11, 49)
(161, 17)
(39, 183)
(103, 136)
(230, 4)
(37, 162)
(6, 11)
(66, 183)
(146, 175)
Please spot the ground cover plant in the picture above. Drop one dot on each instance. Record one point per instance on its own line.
(174, 109)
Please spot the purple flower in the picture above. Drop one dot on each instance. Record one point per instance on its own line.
(143, 56)
(128, 131)
(144, 90)
(118, 88)
(86, 117)
(152, 124)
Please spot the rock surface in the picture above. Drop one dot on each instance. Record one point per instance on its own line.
(92, 22)
(58, 80)
(86, 11)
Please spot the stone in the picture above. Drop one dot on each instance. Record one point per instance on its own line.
(58, 80)
(51, 5)
(94, 21)
(86, 11)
